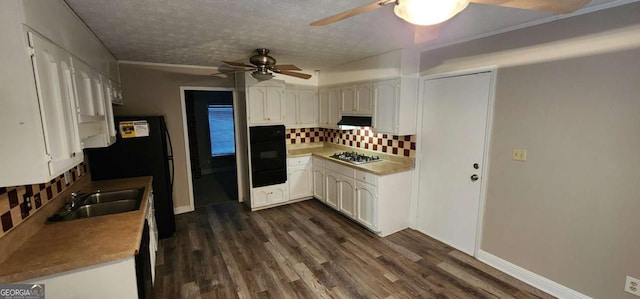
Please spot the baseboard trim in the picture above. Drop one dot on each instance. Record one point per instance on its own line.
(182, 210)
(529, 277)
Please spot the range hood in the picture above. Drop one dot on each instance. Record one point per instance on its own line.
(351, 122)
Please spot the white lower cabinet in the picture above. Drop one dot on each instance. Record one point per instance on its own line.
(333, 192)
(300, 178)
(367, 204)
(109, 280)
(347, 196)
(379, 203)
(318, 179)
(269, 195)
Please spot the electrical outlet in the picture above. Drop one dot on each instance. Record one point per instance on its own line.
(632, 286)
(519, 154)
(27, 201)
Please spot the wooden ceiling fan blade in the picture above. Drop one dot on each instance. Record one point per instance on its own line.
(294, 74)
(223, 74)
(287, 67)
(553, 6)
(352, 12)
(237, 64)
(423, 34)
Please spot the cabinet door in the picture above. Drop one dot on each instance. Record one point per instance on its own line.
(291, 108)
(366, 205)
(332, 194)
(323, 108)
(385, 94)
(347, 195)
(364, 99)
(108, 103)
(300, 182)
(98, 94)
(52, 68)
(307, 108)
(278, 194)
(334, 107)
(318, 184)
(348, 100)
(257, 98)
(83, 82)
(275, 104)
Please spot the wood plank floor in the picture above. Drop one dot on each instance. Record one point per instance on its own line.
(307, 250)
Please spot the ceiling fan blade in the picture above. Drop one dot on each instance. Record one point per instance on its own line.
(553, 6)
(237, 64)
(294, 74)
(287, 67)
(352, 12)
(423, 34)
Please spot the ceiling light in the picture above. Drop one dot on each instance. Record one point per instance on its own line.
(428, 12)
(262, 76)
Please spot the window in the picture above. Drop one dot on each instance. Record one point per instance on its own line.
(221, 131)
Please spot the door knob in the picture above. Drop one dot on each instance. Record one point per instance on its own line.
(474, 177)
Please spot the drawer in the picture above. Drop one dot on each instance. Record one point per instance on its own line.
(366, 177)
(298, 161)
(341, 169)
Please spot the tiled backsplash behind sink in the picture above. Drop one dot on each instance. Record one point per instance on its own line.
(12, 207)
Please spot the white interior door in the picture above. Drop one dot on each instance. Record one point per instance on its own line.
(454, 123)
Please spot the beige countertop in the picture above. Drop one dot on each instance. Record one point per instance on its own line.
(68, 245)
(389, 164)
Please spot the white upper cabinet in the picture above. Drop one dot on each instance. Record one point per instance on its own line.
(301, 107)
(347, 99)
(395, 111)
(42, 126)
(385, 95)
(85, 93)
(333, 108)
(52, 68)
(323, 108)
(266, 103)
(356, 99)
(105, 131)
(308, 107)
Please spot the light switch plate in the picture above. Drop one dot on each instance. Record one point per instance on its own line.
(519, 154)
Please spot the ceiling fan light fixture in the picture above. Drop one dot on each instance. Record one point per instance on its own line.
(262, 75)
(428, 12)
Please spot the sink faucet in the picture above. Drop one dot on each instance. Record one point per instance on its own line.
(72, 201)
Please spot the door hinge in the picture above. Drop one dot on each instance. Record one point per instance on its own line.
(49, 158)
(31, 51)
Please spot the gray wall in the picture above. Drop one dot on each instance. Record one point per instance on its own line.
(570, 212)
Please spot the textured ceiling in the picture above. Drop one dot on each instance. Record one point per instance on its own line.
(203, 32)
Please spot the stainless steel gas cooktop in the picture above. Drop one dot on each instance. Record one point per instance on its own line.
(355, 158)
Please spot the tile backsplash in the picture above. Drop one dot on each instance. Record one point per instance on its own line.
(13, 210)
(362, 138)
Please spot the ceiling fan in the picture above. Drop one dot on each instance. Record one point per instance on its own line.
(263, 66)
(431, 12)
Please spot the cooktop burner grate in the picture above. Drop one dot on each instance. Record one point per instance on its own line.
(355, 158)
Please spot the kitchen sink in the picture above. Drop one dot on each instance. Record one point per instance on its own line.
(110, 196)
(99, 203)
(100, 209)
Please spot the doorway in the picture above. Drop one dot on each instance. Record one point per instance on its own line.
(212, 149)
(454, 135)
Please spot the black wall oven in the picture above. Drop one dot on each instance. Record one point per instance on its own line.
(268, 155)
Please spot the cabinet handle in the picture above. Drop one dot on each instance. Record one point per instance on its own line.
(73, 155)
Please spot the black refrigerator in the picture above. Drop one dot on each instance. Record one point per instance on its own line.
(142, 148)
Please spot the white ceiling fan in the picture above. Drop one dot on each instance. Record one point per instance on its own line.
(431, 12)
